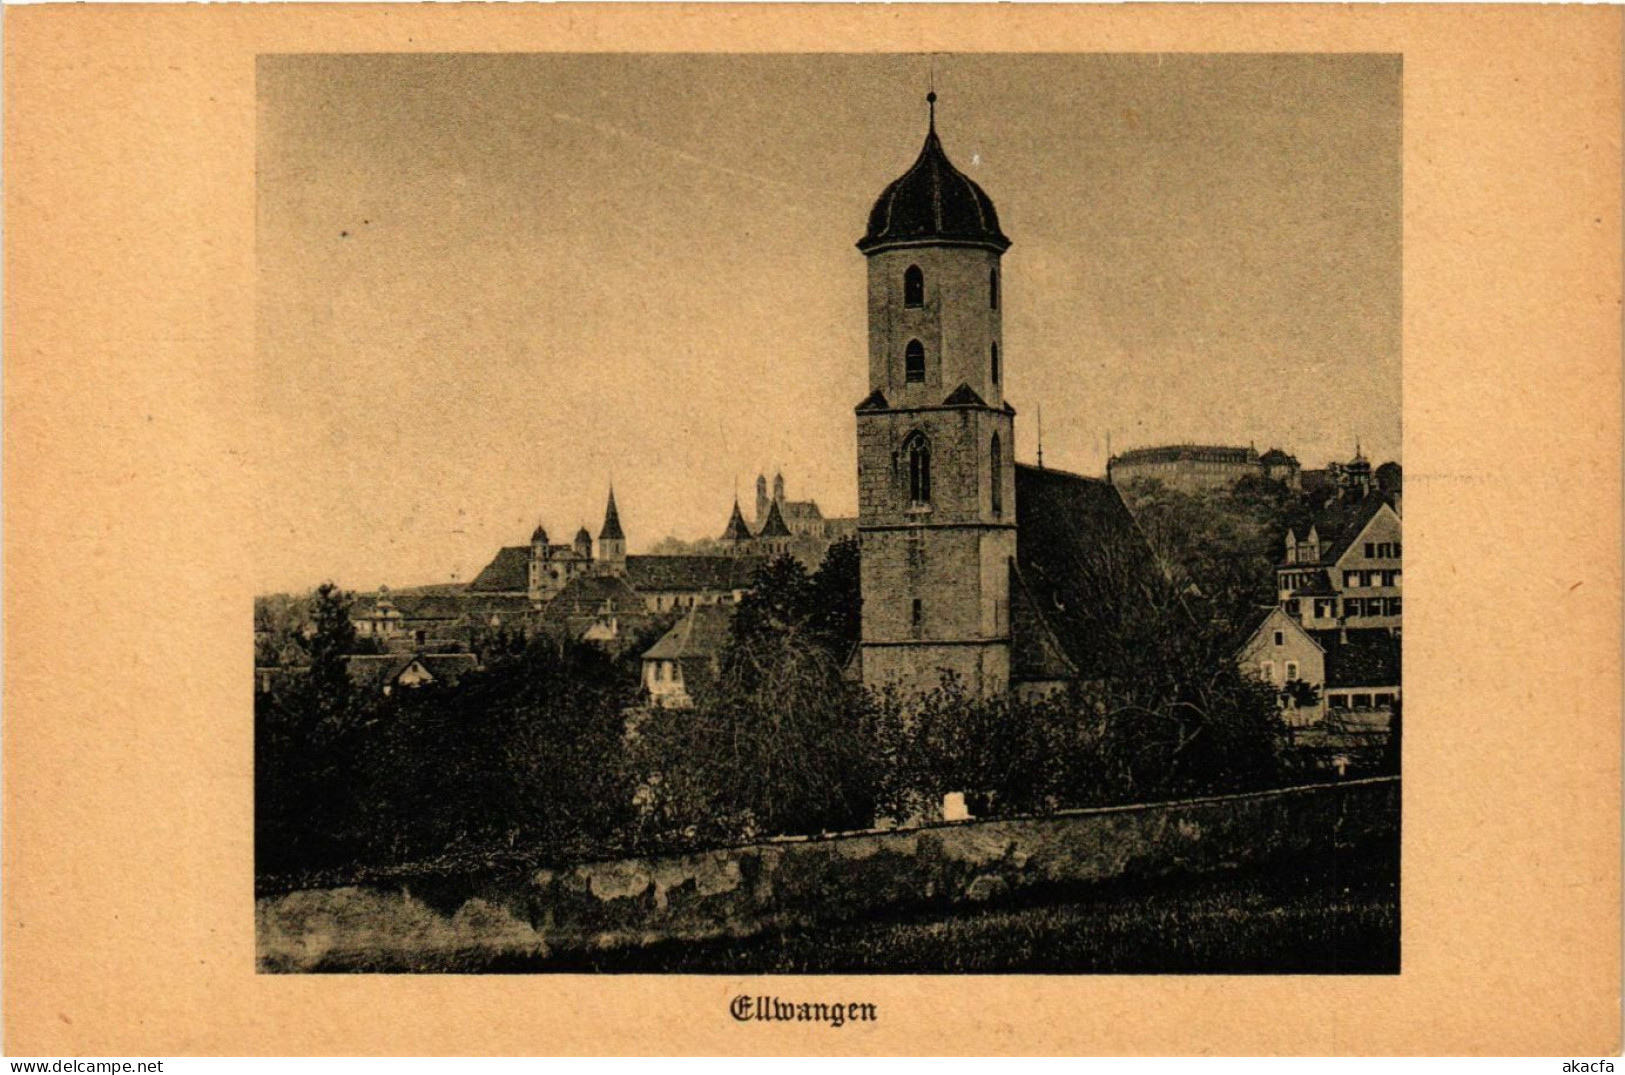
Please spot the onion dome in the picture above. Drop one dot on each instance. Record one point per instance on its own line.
(538, 536)
(612, 521)
(737, 530)
(582, 537)
(933, 202)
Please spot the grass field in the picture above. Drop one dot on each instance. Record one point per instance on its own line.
(1335, 914)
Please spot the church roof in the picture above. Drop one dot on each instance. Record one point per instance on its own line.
(693, 574)
(508, 572)
(1082, 566)
(612, 522)
(737, 530)
(774, 525)
(933, 201)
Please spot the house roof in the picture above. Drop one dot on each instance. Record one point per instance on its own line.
(508, 572)
(696, 574)
(1082, 564)
(933, 200)
(593, 595)
(1319, 584)
(702, 633)
(1340, 524)
(1360, 657)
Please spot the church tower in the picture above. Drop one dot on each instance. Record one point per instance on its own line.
(936, 477)
(611, 540)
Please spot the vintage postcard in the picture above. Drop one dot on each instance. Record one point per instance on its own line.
(777, 517)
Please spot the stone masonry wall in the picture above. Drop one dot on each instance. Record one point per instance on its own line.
(740, 891)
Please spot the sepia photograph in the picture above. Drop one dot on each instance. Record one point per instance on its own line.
(886, 514)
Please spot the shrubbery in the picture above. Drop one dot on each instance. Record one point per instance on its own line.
(535, 759)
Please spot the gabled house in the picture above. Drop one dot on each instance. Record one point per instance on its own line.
(408, 670)
(1345, 570)
(687, 659)
(1355, 670)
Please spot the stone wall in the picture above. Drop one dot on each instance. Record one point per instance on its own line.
(736, 892)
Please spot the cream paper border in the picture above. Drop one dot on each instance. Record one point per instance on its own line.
(130, 498)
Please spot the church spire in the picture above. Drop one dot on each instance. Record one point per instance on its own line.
(612, 521)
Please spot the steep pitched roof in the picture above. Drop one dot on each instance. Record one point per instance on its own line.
(1083, 563)
(428, 606)
(508, 572)
(737, 530)
(701, 633)
(612, 521)
(802, 510)
(774, 526)
(1319, 585)
(1360, 657)
(696, 574)
(1340, 523)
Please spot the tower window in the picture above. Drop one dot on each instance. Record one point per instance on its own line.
(914, 362)
(916, 617)
(914, 287)
(993, 289)
(918, 450)
(995, 455)
(995, 363)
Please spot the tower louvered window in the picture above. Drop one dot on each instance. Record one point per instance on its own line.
(995, 363)
(914, 362)
(914, 287)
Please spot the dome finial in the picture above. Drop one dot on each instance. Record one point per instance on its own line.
(931, 103)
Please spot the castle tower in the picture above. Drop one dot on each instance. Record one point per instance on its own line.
(611, 540)
(774, 539)
(778, 487)
(537, 580)
(761, 500)
(737, 537)
(936, 477)
(583, 544)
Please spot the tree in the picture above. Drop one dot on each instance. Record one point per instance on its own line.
(835, 615)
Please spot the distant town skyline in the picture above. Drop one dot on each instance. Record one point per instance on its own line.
(489, 285)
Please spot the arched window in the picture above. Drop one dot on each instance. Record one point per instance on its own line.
(914, 362)
(995, 363)
(995, 457)
(993, 288)
(914, 287)
(918, 450)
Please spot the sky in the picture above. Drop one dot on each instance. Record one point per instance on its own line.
(491, 284)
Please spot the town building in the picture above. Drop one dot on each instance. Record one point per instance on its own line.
(1350, 670)
(601, 594)
(1004, 576)
(1346, 569)
(687, 659)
